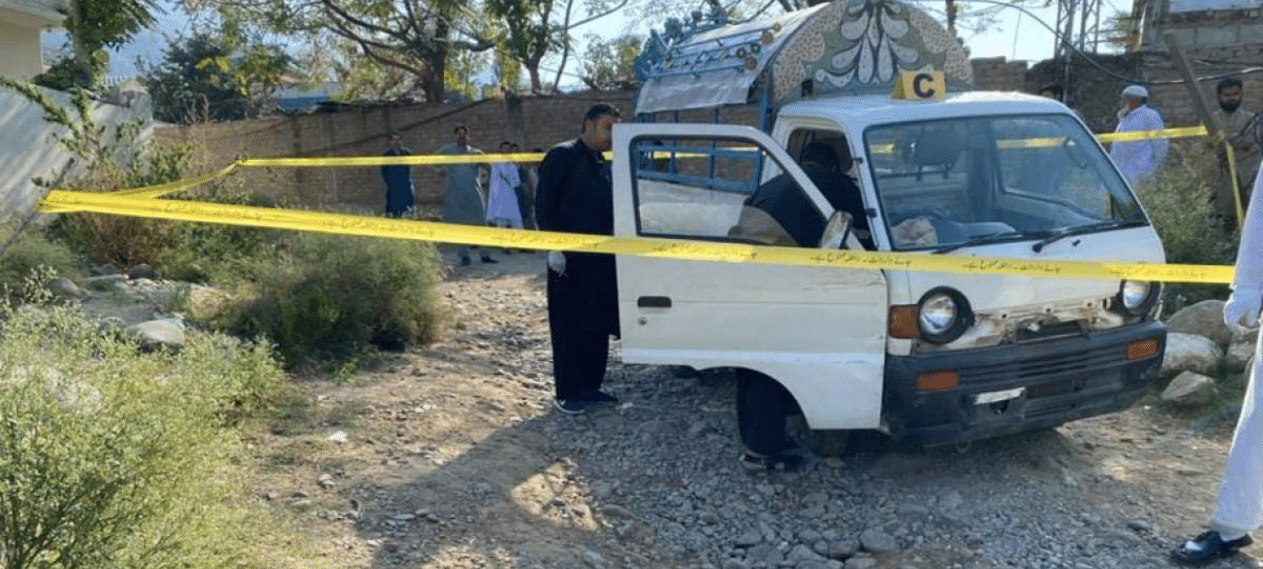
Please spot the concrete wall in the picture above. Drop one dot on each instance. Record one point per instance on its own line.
(29, 147)
(20, 51)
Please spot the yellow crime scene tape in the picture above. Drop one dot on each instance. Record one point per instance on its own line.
(142, 202)
(60, 200)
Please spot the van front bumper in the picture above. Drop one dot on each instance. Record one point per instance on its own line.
(1018, 387)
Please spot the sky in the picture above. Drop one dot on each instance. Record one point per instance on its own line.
(1016, 36)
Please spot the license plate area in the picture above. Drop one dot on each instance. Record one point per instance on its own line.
(998, 396)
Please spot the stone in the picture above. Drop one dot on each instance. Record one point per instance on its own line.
(749, 538)
(843, 548)
(1239, 352)
(1205, 319)
(64, 288)
(1189, 389)
(735, 564)
(141, 271)
(164, 333)
(950, 501)
(801, 553)
(861, 563)
(594, 559)
(1186, 352)
(108, 269)
(106, 283)
(877, 541)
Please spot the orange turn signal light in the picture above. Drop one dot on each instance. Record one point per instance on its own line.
(903, 321)
(1142, 349)
(936, 380)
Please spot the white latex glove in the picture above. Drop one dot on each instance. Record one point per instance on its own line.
(557, 262)
(1241, 309)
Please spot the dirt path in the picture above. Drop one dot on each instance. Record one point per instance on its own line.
(453, 457)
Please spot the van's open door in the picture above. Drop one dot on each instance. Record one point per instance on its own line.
(819, 331)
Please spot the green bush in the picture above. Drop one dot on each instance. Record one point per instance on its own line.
(30, 263)
(219, 253)
(331, 299)
(1178, 203)
(114, 459)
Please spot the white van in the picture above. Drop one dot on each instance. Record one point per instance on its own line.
(929, 358)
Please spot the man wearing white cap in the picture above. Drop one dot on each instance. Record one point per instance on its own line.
(1138, 159)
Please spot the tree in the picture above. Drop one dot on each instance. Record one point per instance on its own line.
(93, 26)
(208, 77)
(415, 36)
(610, 62)
(462, 66)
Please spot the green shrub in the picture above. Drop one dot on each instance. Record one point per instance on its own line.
(331, 299)
(30, 263)
(110, 458)
(1178, 203)
(218, 253)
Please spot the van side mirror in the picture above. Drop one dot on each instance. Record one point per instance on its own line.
(836, 230)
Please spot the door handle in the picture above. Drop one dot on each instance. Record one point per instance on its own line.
(653, 302)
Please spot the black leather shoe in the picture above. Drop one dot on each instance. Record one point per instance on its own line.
(596, 396)
(1207, 547)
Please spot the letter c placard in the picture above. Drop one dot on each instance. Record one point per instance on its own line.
(921, 85)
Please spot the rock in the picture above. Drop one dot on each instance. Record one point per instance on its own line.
(749, 538)
(1239, 351)
(1189, 389)
(614, 511)
(801, 553)
(105, 283)
(594, 559)
(843, 548)
(812, 564)
(165, 333)
(1186, 352)
(1205, 319)
(877, 541)
(735, 564)
(861, 563)
(64, 288)
(108, 269)
(141, 271)
(950, 501)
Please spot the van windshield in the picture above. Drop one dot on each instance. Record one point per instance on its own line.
(956, 182)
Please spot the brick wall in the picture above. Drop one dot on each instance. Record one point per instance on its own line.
(531, 122)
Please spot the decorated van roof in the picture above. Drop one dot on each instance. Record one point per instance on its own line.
(839, 47)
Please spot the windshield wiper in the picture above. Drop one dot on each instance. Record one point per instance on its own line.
(989, 239)
(1082, 229)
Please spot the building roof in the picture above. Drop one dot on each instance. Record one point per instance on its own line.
(37, 13)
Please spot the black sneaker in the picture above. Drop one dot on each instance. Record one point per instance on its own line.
(489, 260)
(597, 396)
(1208, 547)
(570, 406)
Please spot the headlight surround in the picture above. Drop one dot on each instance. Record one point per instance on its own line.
(943, 314)
(1137, 298)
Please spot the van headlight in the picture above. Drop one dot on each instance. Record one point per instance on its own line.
(1137, 297)
(943, 315)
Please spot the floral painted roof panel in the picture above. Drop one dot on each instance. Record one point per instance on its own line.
(718, 67)
(844, 46)
(858, 46)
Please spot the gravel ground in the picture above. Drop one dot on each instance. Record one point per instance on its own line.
(456, 458)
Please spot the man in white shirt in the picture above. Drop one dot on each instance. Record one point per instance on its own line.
(1138, 160)
(1240, 506)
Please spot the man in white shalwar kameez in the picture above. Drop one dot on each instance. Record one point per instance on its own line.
(502, 204)
(1138, 160)
(1240, 507)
